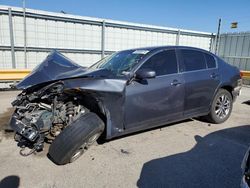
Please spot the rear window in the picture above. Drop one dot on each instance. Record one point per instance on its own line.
(193, 60)
(210, 61)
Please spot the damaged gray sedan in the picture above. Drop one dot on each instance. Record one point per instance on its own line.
(71, 106)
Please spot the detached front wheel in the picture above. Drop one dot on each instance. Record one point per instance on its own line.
(71, 143)
(221, 107)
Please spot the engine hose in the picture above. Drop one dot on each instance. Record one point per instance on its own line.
(22, 153)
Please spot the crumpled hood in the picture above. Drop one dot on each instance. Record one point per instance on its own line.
(58, 67)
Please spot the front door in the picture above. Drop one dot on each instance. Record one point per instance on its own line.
(155, 101)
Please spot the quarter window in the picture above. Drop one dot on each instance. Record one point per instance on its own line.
(162, 63)
(193, 60)
(210, 61)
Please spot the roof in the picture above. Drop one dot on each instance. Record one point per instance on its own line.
(150, 48)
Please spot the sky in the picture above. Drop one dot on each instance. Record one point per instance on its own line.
(185, 14)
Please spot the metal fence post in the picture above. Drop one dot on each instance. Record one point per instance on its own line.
(224, 45)
(103, 39)
(218, 37)
(12, 39)
(241, 54)
(25, 35)
(212, 43)
(178, 38)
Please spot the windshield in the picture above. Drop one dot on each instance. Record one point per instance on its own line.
(121, 62)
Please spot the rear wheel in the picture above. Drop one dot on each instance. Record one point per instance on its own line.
(221, 107)
(71, 143)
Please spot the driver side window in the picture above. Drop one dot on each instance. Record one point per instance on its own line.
(162, 63)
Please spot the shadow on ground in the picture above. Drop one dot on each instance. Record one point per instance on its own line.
(213, 162)
(5, 130)
(10, 182)
(246, 102)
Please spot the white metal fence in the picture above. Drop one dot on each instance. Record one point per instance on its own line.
(235, 49)
(85, 40)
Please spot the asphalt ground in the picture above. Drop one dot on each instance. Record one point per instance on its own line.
(190, 153)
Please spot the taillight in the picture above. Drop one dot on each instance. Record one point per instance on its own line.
(241, 74)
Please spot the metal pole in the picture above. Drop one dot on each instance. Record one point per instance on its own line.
(217, 37)
(12, 39)
(103, 39)
(211, 44)
(24, 34)
(178, 38)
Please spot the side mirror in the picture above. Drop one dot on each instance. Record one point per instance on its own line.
(145, 74)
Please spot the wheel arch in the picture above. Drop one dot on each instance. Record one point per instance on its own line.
(97, 106)
(228, 88)
(211, 117)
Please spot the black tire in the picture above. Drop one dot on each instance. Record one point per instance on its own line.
(78, 134)
(213, 115)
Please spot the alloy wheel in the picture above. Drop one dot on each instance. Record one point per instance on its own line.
(222, 106)
(83, 147)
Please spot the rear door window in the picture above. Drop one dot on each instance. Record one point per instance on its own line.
(162, 63)
(193, 60)
(210, 61)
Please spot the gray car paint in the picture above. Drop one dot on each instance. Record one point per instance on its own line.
(131, 105)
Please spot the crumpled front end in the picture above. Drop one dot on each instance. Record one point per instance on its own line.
(58, 92)
(41, 115)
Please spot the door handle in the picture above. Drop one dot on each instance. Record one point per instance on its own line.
(213, 75)
(175, 83)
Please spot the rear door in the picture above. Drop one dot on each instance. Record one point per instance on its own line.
(155, 101)
(201, 80)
